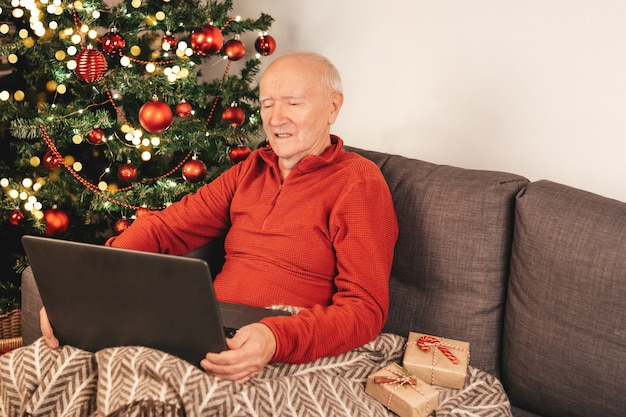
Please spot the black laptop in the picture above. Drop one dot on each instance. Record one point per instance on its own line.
(98, 297)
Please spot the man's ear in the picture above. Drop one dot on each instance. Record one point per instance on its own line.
(336, 102)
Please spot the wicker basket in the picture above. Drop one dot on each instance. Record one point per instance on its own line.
(11, 330)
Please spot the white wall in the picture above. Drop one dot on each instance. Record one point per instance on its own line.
(535, 87)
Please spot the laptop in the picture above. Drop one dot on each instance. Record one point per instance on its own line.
(98, 297)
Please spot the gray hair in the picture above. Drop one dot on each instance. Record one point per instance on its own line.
(331, 78)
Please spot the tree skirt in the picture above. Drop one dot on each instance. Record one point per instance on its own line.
(138, 381)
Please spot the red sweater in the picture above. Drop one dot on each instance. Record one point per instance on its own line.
(322, 240)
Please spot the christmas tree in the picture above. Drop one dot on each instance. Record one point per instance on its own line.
(111, 109)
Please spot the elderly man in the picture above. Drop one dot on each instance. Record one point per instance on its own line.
(307, 224)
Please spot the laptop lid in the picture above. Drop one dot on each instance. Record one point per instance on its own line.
(98, 296)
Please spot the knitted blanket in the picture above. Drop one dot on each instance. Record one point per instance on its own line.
(138, 381)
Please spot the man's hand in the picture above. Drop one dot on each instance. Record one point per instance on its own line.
(249, 351)
(46, 329)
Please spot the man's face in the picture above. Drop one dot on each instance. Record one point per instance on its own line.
(296, 109)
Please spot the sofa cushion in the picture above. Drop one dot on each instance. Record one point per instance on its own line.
(452, 256)
(564, 348)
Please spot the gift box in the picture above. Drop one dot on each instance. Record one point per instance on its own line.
(401, 392)
(436, 360)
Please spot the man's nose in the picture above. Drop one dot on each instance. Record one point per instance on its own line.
(278, 115)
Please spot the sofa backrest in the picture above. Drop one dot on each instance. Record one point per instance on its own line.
(564, 351)
(452, 257)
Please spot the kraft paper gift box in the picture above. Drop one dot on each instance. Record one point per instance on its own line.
(436, 360)
(401, 392)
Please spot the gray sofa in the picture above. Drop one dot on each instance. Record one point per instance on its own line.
(533, 275)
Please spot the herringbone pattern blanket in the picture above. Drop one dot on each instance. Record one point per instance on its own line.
(141, 382)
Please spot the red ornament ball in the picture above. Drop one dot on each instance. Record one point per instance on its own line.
(169, 42)
(113, 43)
(207, 40)
(234, 49)
(265, 45)
(52, 161)
(194, 171)
(234, 115)
(155, 116)
(127, 172)
(183, 109)
(121, 225)
(90, 64)
(57, 222)
(16, 217)
(238, 153)
(96, 136)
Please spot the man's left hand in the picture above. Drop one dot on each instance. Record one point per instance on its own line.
(249, 351)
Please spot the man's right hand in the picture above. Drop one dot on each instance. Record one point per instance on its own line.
(46, 329)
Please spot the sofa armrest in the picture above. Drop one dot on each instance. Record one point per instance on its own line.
(31, 304)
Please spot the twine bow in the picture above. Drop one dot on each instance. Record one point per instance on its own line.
(400, 380)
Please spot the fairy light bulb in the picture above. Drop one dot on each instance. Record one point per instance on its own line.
(146, 156)
(27, 182)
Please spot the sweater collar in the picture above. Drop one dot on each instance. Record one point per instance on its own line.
(310, 162)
